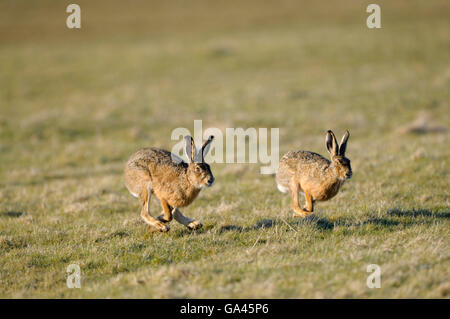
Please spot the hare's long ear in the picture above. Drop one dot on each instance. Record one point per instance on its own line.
(332, 143)
(200, 157)
(343, 145)
(190, 148)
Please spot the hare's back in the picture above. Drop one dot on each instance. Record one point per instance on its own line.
(296, 161)
(148, 157)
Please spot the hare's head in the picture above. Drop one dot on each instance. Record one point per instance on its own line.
(198, 172)
(337, 152)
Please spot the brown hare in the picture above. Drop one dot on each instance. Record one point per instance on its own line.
(174, 182)
(315, 176)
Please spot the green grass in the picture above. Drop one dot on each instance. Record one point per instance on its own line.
(75, 104)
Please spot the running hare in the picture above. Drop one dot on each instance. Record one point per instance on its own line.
(174, 182)
(315, 176)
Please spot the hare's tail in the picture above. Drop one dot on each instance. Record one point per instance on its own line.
(282, 189)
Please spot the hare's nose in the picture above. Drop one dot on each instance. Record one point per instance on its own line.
(210, 181)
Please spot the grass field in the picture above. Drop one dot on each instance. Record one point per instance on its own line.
(75, 104)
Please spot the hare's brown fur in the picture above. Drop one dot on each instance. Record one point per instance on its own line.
(317, 177)
(174, 182)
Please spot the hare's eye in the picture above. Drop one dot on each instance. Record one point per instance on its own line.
(198, 170)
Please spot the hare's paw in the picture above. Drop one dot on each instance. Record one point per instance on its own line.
(159, 227)
(194, 225)
(297, 215)
(163, 228)
(302, 213)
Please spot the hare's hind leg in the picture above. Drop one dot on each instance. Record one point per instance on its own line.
(144, 198)
(189, 223)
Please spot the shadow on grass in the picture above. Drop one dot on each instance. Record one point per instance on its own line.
(411, 217)
(116, 234)
(265, 223)
(325, 224)
(346, 222)
(416, 213)
(12, 214)
(186, 232)
(321, 223)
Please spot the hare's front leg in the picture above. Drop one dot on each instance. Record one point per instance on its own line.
(144, 198)
(299, 212)
(166, 213)
(189, 223)
(309, 203)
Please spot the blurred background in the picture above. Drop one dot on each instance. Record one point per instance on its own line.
(76, 103)
(135, 71)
